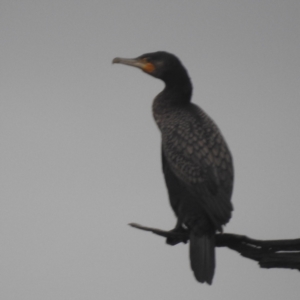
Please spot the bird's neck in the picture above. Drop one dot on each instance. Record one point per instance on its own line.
(178, 94)
(179, 81)
(178, 90)
(172, 97)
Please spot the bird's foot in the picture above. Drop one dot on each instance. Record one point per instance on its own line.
(173, 237)
(177, 235)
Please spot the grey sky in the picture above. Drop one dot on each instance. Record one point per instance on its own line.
(80, 153)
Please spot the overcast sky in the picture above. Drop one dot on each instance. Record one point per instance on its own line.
(80, 152)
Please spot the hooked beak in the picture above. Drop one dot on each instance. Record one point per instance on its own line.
(135, 62)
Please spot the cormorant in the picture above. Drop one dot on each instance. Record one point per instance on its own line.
(196, 161)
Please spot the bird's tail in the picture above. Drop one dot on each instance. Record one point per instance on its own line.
(202, 255)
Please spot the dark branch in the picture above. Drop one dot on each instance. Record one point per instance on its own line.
(269, 254)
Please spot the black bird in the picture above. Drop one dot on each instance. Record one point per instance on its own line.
(196, 161)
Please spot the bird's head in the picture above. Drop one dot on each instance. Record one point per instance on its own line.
(162, 65)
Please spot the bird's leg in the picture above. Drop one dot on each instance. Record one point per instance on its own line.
(181, 235)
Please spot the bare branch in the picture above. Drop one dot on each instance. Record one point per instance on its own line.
(269, 254)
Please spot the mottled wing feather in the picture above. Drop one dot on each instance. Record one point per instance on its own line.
(196, 152)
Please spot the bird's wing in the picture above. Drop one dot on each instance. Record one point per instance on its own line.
(198, 156)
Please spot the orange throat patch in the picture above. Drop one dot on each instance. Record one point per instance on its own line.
(148, 67)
